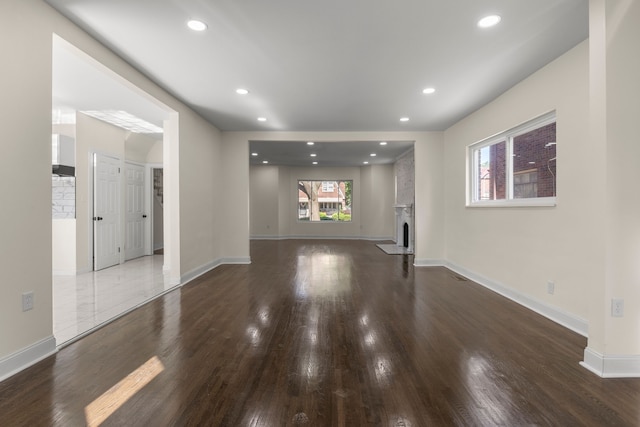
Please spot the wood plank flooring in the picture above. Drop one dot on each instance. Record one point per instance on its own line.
(322, 333)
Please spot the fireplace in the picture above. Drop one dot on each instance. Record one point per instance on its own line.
(404, 227)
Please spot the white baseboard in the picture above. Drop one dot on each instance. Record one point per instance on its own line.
(568, 320)
(425, 262)
(26, 357)
(238, 260)
(611, 366)
(199, 271)
(302, 237)
(64, 272)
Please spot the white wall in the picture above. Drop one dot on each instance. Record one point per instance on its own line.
(26, 234)
(138, 147)
(377, 197)
(274, 202)
(523, 248)
(264, 201)
(203, 213)
(615, 110)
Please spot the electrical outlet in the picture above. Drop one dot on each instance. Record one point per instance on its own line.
(617, 307)
(27, 301)
(551, 287)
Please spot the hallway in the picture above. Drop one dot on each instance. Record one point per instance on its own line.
(86, 301)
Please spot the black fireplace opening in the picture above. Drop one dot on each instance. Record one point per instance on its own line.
(405, 235)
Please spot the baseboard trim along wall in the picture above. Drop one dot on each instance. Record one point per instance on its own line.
(611, 366)
(428, 262)
(568, 320)
(199, 271)
(26, 357)
(301, 237)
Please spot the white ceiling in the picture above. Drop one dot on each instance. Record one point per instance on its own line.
(334, 65)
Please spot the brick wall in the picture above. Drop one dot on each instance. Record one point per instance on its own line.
(63, 197)
(534, 165)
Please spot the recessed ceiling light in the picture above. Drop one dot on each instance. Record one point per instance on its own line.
(312, 154)
(365, 162)
(265, 162)
(254, 154)
(383, 143)
(310, 142)
(262, 119)
(196, 25)
(489, 21)
(404, 119)
(428, 91)
(373, 154)
(241, 91)
(315, 163)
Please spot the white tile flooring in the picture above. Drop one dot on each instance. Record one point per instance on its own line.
(85, 301)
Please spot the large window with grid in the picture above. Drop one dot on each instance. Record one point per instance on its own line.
(328, 200)
(515, 168)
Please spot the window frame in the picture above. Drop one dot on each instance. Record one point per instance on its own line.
(337, 183)
(508, 137)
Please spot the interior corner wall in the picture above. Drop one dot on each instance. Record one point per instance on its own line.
(429, 212)
(264, 200)
(235, 197)
(524, 248)
(138, 146)
(204, 195)
(377, 200)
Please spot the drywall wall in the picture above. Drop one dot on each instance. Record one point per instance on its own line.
(377, 197)
(26, 234)
(274, 191)
(615, 110)
(264, 211)
(524, 248)
(203, 196)
(138, 146)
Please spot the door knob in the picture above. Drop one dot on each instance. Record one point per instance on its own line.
(144, 216)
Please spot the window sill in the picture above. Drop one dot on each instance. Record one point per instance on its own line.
(515, 203)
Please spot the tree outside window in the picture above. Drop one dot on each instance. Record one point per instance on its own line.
(327, 200)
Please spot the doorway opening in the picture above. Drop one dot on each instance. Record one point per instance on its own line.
(83, 299)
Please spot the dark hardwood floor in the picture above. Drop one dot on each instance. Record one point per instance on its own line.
(322, 333)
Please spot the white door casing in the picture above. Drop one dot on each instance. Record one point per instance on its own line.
(135, 221)
(106, 211)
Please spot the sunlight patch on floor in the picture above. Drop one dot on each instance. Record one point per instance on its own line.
(102, 408)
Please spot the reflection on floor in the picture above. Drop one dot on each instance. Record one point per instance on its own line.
(393, 249)
(85, 301)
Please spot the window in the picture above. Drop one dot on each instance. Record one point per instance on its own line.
(516, 167)
(328, 200)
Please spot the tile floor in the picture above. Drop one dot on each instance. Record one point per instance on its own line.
(86, 301)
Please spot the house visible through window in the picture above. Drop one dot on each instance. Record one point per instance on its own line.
(328, 200)
(516, 167)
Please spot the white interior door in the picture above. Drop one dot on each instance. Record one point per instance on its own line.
(106, 211)
(136, 218)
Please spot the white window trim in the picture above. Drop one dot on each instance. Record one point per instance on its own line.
(506, 136)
